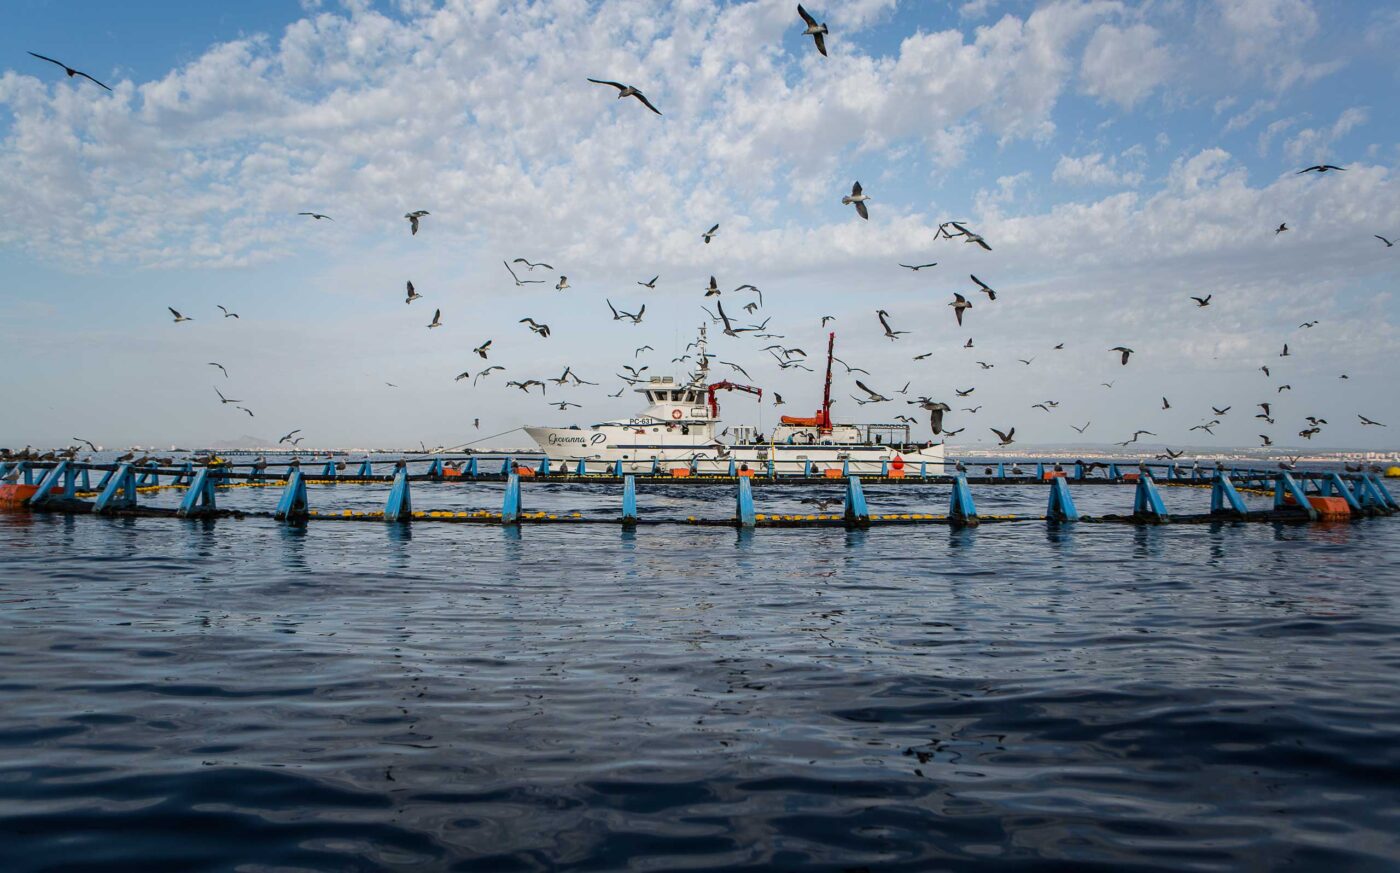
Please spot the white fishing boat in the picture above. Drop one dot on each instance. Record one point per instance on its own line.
(677, 430)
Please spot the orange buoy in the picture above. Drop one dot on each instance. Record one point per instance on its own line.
(680, 472)
(1330, 508)
(897, 463)
(524, 471)
(14, 496)
(832, 474)
(1060, 474)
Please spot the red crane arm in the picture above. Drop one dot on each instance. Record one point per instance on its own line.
(728, 386)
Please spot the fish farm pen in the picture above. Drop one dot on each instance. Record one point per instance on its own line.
(117, 489)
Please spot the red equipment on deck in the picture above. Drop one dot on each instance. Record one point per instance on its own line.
(728, 386)
(822, 420)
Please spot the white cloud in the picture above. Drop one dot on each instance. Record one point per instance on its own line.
(1250, 115)
(1094, 169)
(486, 108)
(1124, 64)
(1266, 38)
(1315, 144)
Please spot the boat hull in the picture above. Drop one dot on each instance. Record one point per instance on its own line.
(601, 449)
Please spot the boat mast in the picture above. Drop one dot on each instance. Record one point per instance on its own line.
(825, 423)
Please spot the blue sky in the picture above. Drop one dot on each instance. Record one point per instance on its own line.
(1120, 157)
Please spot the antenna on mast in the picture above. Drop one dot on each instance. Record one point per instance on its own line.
(824, 420)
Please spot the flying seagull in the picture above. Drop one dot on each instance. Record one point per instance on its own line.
(541, 329)
(875, 396)
(959, 304)
(1316, 168)
(1082, 429)
(316, 215)
(935, 415)
(178, 317)
(72, 72)
(987, 289)
(562, 283)
(488, 371)
(1006, 438)
(519, 281)
(710, 234)
(918, 267)
(223, 399)
(226, 313)
(884, 316)
(1125, 351)
(1366, 421)
(288, 437)
(651, 284)
(221, 368)
(413, 219)
(1388, 243)
(619, 315)
(483, 349)
(627, 91)
(412, 294)
(1203, 301)
(1281, 228)
(856, 196)
(816, 31)
(531, 266)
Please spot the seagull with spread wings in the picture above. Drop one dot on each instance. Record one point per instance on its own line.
(627, 91)
(72, 72)
(816, 31)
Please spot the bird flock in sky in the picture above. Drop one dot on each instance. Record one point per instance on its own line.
(522, 271)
